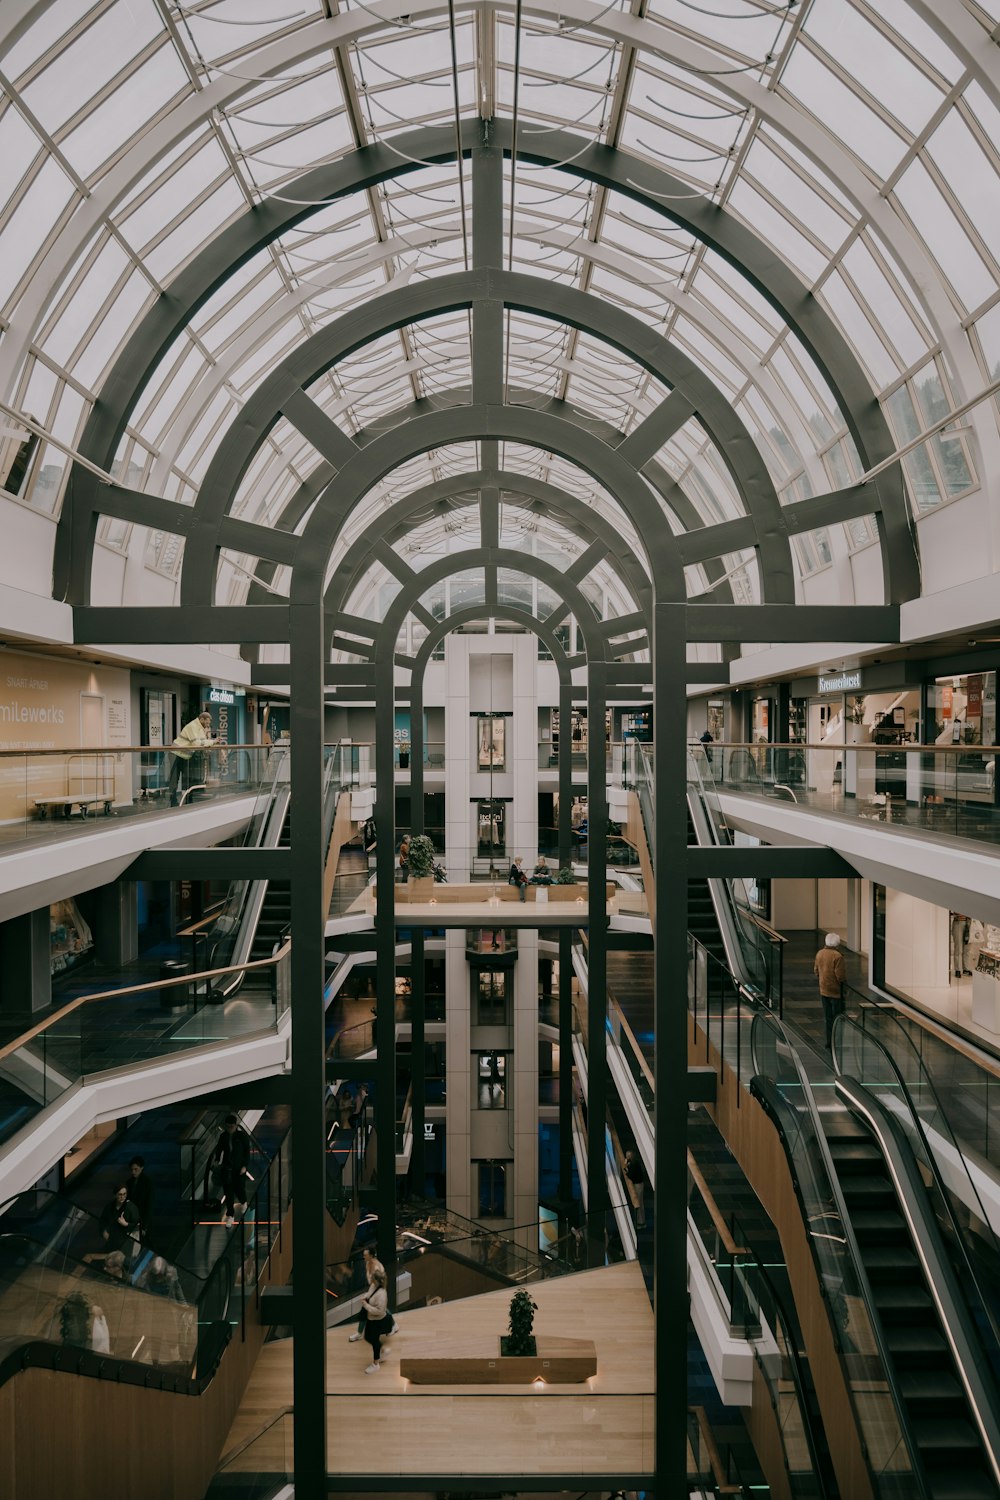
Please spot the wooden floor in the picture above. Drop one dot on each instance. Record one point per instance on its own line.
(380, 1424)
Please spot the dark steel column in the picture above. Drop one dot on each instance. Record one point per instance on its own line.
(385, 968)
(565, 769)
(417, 749)
(565, 1068)
(418, 1058)
(307, 655)
(597, 978)
(670, 1027)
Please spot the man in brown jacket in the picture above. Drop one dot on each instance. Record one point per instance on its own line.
(828, 966)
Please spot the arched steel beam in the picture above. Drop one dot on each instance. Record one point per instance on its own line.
(500, 611)
(578, 518)
(282, 393)
(380, 633)
(638, 180)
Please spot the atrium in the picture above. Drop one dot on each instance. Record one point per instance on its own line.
(561, 432)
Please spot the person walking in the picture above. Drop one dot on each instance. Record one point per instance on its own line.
(373, 1266)
(377, 1324)
(188, 744)
(231, 1159)
(828, 966)
(706, 739)
(140, 1192)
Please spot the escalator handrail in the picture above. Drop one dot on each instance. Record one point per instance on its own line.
(763, 1020)
(841, 1025)
(935, 1262)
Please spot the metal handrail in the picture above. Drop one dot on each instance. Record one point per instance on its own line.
(765, 745)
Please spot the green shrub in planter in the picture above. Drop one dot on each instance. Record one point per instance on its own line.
(565, 876)
(421, 857)
(522, 1315)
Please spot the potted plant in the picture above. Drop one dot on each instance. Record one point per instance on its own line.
(564, 876)
(520, 1341)
(420, 863)
(404, 755)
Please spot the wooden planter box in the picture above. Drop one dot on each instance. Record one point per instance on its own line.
(478, 1361)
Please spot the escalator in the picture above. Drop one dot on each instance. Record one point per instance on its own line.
(936, 1406)
(274, 919)
(703, 923)
(914, 1335)
(257, 914)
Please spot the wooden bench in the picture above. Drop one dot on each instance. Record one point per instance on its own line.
(67, 803)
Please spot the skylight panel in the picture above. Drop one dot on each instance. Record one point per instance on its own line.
(779, 228)
(179, 188)
(744, 29)
(36, 214)
(83, 301)
(94, 57)
(238, 26)
(785, 185)
(112, 326)
(20, 147)
(971, 177)
(199, 224)
(874, 62)
(107, 130)
(934, 218)
(713, 361)
(846, 116)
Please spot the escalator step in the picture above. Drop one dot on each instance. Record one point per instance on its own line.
(929, 1385)
(953, 1435)
(865, 1185)
(878, 1222)
(888, 1260)
(915, 1343)
(958, 1485)
(903, 1299)
(850, 1155)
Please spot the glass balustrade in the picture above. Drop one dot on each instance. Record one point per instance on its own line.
(940, 789)
(47, 794)
(63, 1293)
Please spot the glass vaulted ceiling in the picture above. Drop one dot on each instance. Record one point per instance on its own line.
(858, 140)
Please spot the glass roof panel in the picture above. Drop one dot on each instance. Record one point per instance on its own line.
(884, 203)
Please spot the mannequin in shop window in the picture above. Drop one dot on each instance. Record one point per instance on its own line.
(959, 943)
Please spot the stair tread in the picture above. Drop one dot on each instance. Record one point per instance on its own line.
(959, 1485)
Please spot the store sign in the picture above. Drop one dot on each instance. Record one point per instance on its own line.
(843, 682)
(974, 697)
(221, 695)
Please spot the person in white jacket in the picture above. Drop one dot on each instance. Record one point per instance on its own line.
(187, 749)
(378, 1323)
